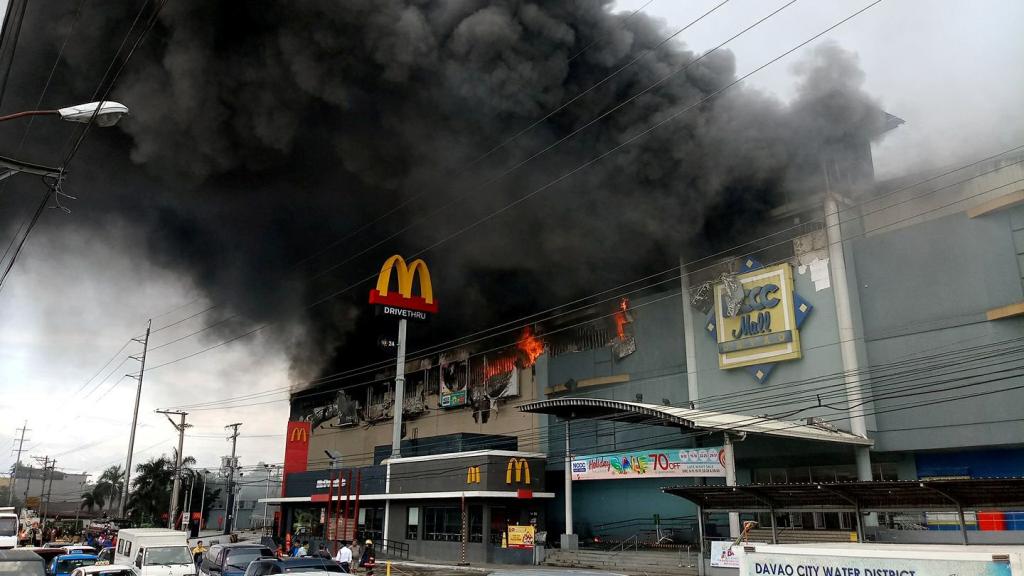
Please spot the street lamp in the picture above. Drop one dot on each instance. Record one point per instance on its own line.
(106, 113)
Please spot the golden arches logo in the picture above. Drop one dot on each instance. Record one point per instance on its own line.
(299, 434)
(521, 468)
(406, 273)
(473, 475)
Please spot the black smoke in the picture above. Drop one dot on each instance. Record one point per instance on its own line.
(261, 132)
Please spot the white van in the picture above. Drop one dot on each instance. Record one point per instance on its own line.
(154, 552)
(8, 528)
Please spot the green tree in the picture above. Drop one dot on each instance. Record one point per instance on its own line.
(110, 485)
(151, 488)
(89, 501)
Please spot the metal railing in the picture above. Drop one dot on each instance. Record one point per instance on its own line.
(625, 545)
(393, 549)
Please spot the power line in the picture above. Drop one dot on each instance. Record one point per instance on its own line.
(376, 366)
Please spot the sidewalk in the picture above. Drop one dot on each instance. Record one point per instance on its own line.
(404, 567)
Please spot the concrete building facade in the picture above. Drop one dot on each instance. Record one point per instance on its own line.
(904, 320)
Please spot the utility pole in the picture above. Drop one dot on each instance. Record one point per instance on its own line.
(17, 464)
(231, 478)
(42, 490)
(202, 501)
(180, 427)
(135, 418)
(49, 487)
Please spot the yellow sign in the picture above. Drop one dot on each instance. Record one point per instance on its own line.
(520, 536)
(473, 475)
(764, 328)
(299, 434)
(403, 298)
(521, 468)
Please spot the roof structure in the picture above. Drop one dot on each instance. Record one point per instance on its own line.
(674, 416)
(873, 496)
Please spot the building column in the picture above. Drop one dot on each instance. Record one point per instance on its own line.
(569, 541)
(730, 480)
(847, 334)
(692, 389)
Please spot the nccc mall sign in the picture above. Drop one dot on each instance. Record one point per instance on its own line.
(402, 303)
(765, 329)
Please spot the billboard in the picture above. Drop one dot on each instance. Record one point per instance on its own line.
(520, 536)
(756, 564)
(454, 380)
(667, 463)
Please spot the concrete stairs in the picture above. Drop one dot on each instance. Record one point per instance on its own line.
(629, 561)
(800, 536)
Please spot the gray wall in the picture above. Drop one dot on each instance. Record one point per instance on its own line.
(925, 290)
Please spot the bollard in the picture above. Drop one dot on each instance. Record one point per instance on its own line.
(387, 568)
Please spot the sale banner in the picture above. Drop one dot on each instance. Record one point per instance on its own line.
(667, 463)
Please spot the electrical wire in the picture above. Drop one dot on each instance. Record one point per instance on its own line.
(374, 367)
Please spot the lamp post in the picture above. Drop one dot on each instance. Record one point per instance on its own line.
(104, 114)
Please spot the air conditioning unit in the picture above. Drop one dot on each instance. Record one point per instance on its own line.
(413, 405)
(376, 412)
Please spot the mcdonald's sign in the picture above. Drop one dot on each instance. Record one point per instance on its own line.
(401, 302)
(521, 468)
(296, 447)
(473, 475)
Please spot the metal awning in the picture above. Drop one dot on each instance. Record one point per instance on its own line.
(658, 415)
(874, 496)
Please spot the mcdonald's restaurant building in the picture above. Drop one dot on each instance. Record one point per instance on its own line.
(882, 346)
(433, 499)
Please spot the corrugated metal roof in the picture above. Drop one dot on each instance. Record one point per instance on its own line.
(874, 496)
(655, 414)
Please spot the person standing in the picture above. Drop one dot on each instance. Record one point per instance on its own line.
(369, 558)
(197, 553)
(344, 557)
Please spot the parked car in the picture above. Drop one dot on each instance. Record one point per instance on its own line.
(307, 566)
(65, 564)
(232, 559)
(21, 562)
(105, 557)
(47, 554)
(105, 570)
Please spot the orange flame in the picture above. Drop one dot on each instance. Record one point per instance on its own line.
(531, 346)
(499, 366)
(620, 318)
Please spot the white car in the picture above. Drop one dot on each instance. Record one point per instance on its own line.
(78, 549)
(108, 570)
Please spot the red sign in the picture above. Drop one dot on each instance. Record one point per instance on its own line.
(524, 493)
(296, 448)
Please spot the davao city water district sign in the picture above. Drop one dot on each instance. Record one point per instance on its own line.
(765, 328)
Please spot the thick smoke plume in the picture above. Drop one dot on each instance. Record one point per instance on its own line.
(263, 131)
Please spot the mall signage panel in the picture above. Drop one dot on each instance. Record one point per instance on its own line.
(668, 463)
(762, 328)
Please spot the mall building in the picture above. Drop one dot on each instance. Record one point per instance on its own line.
(875, 332)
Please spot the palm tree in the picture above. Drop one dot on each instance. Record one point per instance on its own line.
(151, 487)
(111, 484)
(88, 501)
